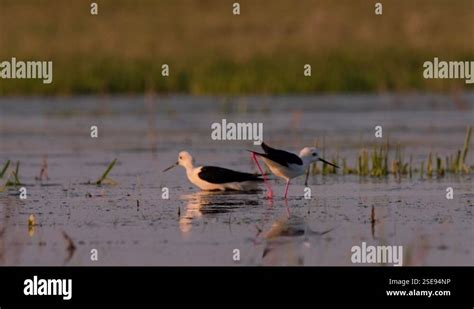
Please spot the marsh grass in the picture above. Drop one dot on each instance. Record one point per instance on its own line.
(373, 220)
(104, 178)
(4, 169)
(212, 52)
(13, 179)
(374, 163)
(44, 170)
(467, 142)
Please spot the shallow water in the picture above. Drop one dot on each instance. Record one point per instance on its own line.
(198, 228)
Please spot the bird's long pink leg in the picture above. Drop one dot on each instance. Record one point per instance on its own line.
(287, 186)
(287, 208)
(270, 192)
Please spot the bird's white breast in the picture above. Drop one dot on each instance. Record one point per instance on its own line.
(293, 170)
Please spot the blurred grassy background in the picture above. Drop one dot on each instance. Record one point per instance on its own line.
(211, 51)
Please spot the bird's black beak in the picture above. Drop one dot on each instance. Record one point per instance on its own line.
(167, 169)
(329, 163)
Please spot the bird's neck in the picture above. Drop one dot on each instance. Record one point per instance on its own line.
(306, 161)
(189, 167)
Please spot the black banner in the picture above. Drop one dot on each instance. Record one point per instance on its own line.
(423, 286)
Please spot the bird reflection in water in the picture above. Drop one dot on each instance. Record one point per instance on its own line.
(208, 204)
(286, 241)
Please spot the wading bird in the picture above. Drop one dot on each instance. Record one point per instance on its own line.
(212, 178)
(287, 165)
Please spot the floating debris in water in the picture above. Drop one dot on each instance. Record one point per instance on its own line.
(70, 247)
(31, 220)
(31, 225)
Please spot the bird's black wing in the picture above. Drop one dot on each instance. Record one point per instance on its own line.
(280, 156)
(219, 175)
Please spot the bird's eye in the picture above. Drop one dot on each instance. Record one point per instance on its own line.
(314, 154)
(181, 158)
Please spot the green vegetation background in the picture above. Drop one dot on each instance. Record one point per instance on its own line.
(211, 51)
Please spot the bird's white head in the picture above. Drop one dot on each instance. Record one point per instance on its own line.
(309, 154)
(184, 159)
(312, 154)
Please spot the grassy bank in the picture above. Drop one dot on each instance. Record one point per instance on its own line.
(210, 51)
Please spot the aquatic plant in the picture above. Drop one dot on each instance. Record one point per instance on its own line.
(106, 173)
(467, 142)
(4, 169)
(375, 163)
(14, 178)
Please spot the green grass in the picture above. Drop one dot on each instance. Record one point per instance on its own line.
(209, 51)
(14, 178)
(467, 142)
(4, 169)
(106, 172)
(375, 163)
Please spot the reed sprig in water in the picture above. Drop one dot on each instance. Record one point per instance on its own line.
(375, 163)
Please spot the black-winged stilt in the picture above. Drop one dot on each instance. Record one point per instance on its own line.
(212, 178)
(287, 165)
